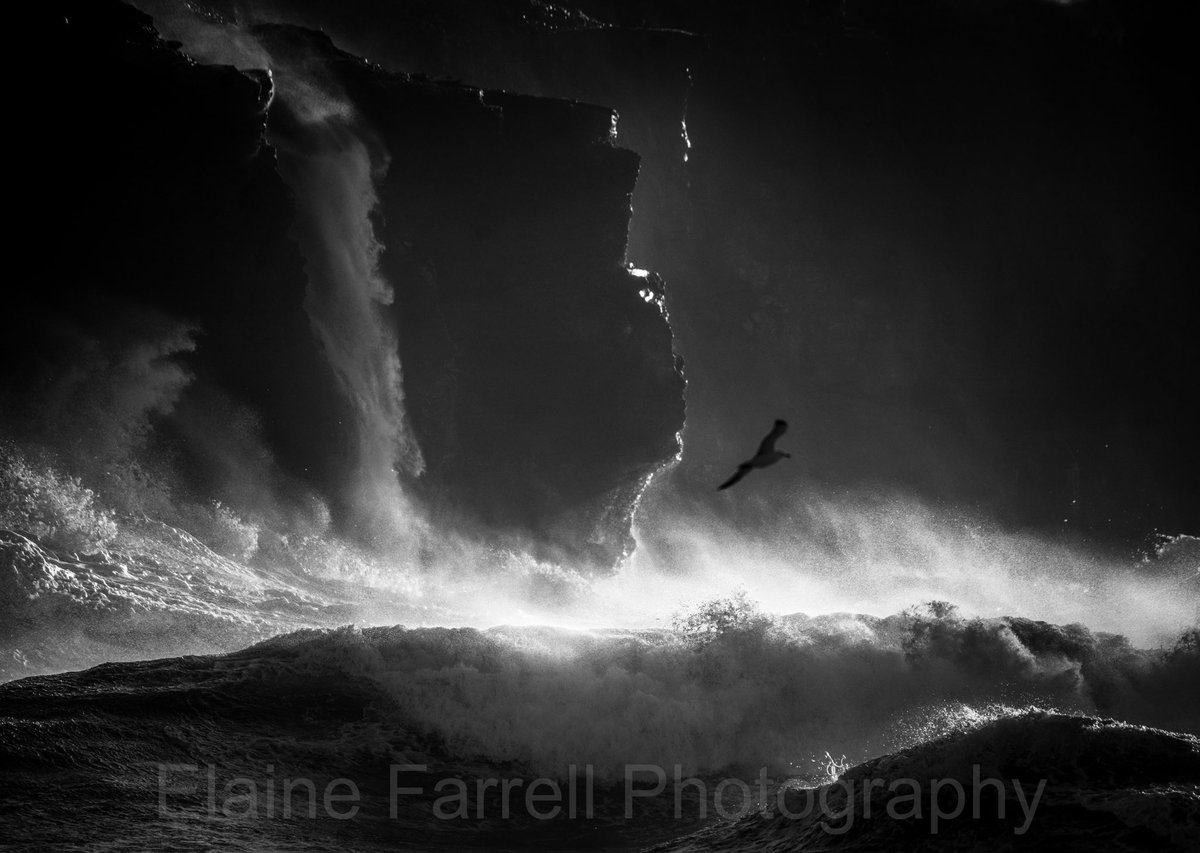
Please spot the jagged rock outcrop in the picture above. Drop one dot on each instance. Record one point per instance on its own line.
(538, 369)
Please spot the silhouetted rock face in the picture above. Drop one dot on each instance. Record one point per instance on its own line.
(538, 371)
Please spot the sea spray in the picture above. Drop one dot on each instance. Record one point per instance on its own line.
(332, 162)
(332, 171)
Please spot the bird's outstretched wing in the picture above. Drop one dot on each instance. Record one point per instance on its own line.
(768, 443)
(741, 471)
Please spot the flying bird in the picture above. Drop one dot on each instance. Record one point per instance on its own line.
(766, 455)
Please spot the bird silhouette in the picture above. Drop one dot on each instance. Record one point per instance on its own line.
(766, 455)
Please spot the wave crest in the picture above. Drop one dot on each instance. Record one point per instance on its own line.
(773, 693)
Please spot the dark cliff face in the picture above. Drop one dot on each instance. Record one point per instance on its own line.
(538, 372)
(556, 392)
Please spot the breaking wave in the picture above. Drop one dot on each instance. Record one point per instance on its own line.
(753, 691)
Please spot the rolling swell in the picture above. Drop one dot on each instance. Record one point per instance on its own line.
(1107, 786)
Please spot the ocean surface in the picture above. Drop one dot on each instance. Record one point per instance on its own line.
(730, 729)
